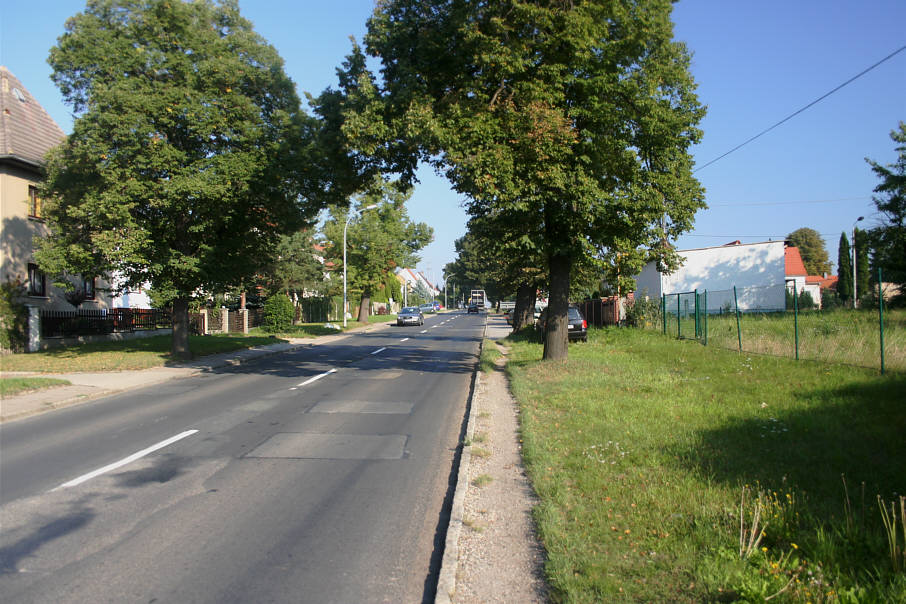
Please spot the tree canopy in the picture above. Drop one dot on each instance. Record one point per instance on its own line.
(890, 238)
(576, 115)
(812, 249)
(189, 155)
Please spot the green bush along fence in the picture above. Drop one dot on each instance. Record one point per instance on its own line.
(867, 337)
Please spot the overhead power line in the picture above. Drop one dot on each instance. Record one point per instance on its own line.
(795, 113)
(787, 203)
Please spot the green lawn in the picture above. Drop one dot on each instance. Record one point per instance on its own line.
(141, 353)
(641, 448)
(836, 336)
(19, 385)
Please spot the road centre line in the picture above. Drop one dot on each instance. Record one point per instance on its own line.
(423, 331)
(124, 461)
(317, 377)
(404, 340)
(379, 350)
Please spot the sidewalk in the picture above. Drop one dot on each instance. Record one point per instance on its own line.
(89, 386)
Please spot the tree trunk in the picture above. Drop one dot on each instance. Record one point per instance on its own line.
(365, 306)
(179, 346)
(524, 313)
(556, 339)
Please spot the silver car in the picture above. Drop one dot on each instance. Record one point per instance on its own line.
(410, 315)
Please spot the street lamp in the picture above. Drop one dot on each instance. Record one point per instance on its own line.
(346, 226)
(854, 259)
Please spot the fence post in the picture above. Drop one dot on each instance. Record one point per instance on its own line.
(796, 317)
(34, 329)
(679, 329)
(664, 311)
(224, 319)
(881, 315)
(738, 328)
(705, 294)
(244, 313)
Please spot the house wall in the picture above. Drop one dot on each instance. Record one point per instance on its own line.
(757, 270)
(17, 235)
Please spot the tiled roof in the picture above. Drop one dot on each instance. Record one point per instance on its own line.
(27, 132)
(793, 263)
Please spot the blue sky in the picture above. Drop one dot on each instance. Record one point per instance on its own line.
(755, 64)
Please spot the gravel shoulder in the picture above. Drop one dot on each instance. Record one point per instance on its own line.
(499, 556)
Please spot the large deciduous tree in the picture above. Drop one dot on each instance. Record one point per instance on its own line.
(377, 240)
(189, 153)
(890, 238)
(578, 114)
(811, 248)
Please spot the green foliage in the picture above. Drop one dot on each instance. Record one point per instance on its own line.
(571, 121)
(643, 311)
(13, 316)
(805, 300)
(294, 267)
(844, 270)
(811, 248)
(377, 240)
(188, 154)
(890, 238)
(278, 313)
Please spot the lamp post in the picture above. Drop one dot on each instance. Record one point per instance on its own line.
(854, 259)
(346, 226)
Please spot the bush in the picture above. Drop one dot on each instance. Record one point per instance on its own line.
(278, 313)
(13, 317)
(643, 311)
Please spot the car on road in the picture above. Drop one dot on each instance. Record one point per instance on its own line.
(410, 315)
(473, 308)
(577, 326)
(426, 308)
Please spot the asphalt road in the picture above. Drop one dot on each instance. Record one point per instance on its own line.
(321, 475)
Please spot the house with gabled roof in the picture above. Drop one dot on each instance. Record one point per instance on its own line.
(27, 133)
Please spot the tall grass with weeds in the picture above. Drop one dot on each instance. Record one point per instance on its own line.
(640, 445)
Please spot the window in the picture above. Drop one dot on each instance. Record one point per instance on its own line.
(88, 288)
(36, 281)
(34, 203)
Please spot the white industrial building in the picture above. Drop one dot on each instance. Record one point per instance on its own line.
(757, 270)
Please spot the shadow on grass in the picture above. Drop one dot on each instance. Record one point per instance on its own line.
(856, 431)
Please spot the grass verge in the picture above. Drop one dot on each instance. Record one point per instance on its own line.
(20, 385)
(141, 353)
(659, 463)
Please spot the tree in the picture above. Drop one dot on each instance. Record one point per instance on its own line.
(890, 238)
(189, 153)
(294, 267)
(844, 269)
(579, 115)
(377, 240)
(811, 248)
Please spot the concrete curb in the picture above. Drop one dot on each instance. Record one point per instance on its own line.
(446, 581)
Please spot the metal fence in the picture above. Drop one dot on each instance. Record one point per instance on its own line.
(84, 322)
(740, 319)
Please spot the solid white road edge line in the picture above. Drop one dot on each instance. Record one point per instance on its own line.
(379, 350)
(317, 377)
(124, 461)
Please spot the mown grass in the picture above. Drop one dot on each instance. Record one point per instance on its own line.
(20, 385)
(640, 447)
(141, 353)
(837, 336)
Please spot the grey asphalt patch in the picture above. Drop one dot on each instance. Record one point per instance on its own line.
(308, 445)
(362, 407)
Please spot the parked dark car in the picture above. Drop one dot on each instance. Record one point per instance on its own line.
(577, 326)
(410, 315)
(473, 308)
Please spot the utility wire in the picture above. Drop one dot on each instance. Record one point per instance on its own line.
(792, 115)
(787, 203)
